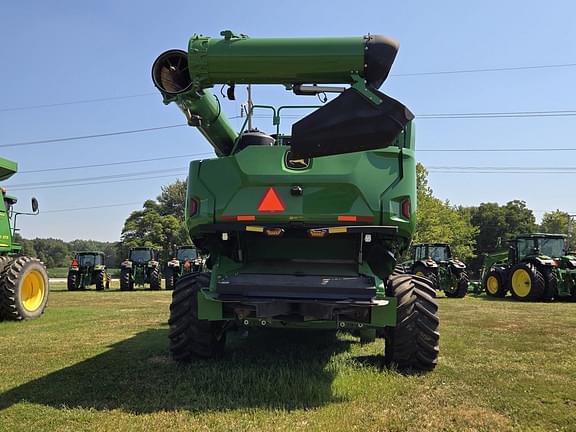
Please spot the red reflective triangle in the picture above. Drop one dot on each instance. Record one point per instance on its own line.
(271, 202)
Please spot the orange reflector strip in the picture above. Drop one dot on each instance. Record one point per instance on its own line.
(271, 202)
(345, 218)
(238, 218)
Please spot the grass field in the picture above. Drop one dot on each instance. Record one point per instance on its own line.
(97, 361)
(62, 272)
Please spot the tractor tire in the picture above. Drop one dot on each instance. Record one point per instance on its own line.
(460, 288)
(101, 281)
(24, 289)
(495, 284)
(412, 345)
(189, 336)
(126, 282)
(399, 269)
(550, 284)
(170, 279)
(420, 270)
(72, 281)
(526, 282)
(155, 279)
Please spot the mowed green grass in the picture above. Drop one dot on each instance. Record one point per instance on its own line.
(98, 361)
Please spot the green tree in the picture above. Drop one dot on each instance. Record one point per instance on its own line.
(555, 222)
(439, 221)
(172, 200)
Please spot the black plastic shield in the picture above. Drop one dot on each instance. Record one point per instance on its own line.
(348, 124)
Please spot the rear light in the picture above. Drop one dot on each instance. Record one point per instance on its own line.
(74, 263)
(405, 208)
(348, 218)
(318, 233)
(186, 264)
(193, 206)
(238, 218)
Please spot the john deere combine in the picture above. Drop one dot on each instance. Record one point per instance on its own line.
(435, 261)
(535, 267)
(141, 268)
(23, 280)
(87, 268)
(186, 260)
(303, 229)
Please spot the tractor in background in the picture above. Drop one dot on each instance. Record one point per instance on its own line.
(24, 287)
(535, 267)
(87, 268)
(186, 260)
(303, 229)
(435, 262)
(140, 268)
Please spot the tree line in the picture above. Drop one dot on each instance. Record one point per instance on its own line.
(471, 231)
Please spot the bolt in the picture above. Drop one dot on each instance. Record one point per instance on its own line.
(245, 322)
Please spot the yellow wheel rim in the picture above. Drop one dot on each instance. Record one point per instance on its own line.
(419, 273)
(32, 291)
(492, 285)
(521, 283)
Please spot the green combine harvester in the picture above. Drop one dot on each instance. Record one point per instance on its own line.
(535, 267)
(435, 261)
(24, 285)
(87, 268)
(186, 260)
(140, 268)
(302, 230)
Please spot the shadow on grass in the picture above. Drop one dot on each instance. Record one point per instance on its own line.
(275, 369)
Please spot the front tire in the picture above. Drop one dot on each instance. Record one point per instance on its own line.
(494, 284)
(24, 289)
(72, 281)
(460, 287)
(126, 282)
(155, 279)
(170, 278)
(412, 345)
(101, 281)
(189, 336)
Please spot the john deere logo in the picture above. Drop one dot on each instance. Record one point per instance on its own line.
(296, 164)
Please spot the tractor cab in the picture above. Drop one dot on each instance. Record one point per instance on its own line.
(87, 268)
(141, 267)
(439, 252)
(186, 253)
(538, 245)
(142, 255)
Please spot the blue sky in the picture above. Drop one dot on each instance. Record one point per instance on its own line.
(62, 51)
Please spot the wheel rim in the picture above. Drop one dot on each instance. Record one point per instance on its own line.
(521, 283)
(492, 285)
(32, 291)
(419, 273)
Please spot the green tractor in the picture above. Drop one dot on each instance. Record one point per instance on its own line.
(24, 287)
(186, 260)
(142, 267)
(435, 261)
(535, 267)
(87, 268)
(302, 230)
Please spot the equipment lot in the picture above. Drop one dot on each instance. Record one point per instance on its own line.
(98, 361)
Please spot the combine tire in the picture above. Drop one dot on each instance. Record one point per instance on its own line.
(494, 284)
(72, 282)
(23, 289)
(459, 289)
(170, 279)
(412, 345)
(155, 279)
(526, 282)
(189, 336)
(126, 282)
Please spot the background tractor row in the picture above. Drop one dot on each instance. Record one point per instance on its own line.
(535, 267)
(435, 261)
(24, 287)
(140, 268)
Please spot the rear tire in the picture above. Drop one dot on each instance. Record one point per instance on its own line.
(460, 288)
(412, 345)
(126, 283)
(526, 282)
(72, 282)
(189, 336)
(24, 289)
(495, 284)
(551, 284)
(155, 279)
